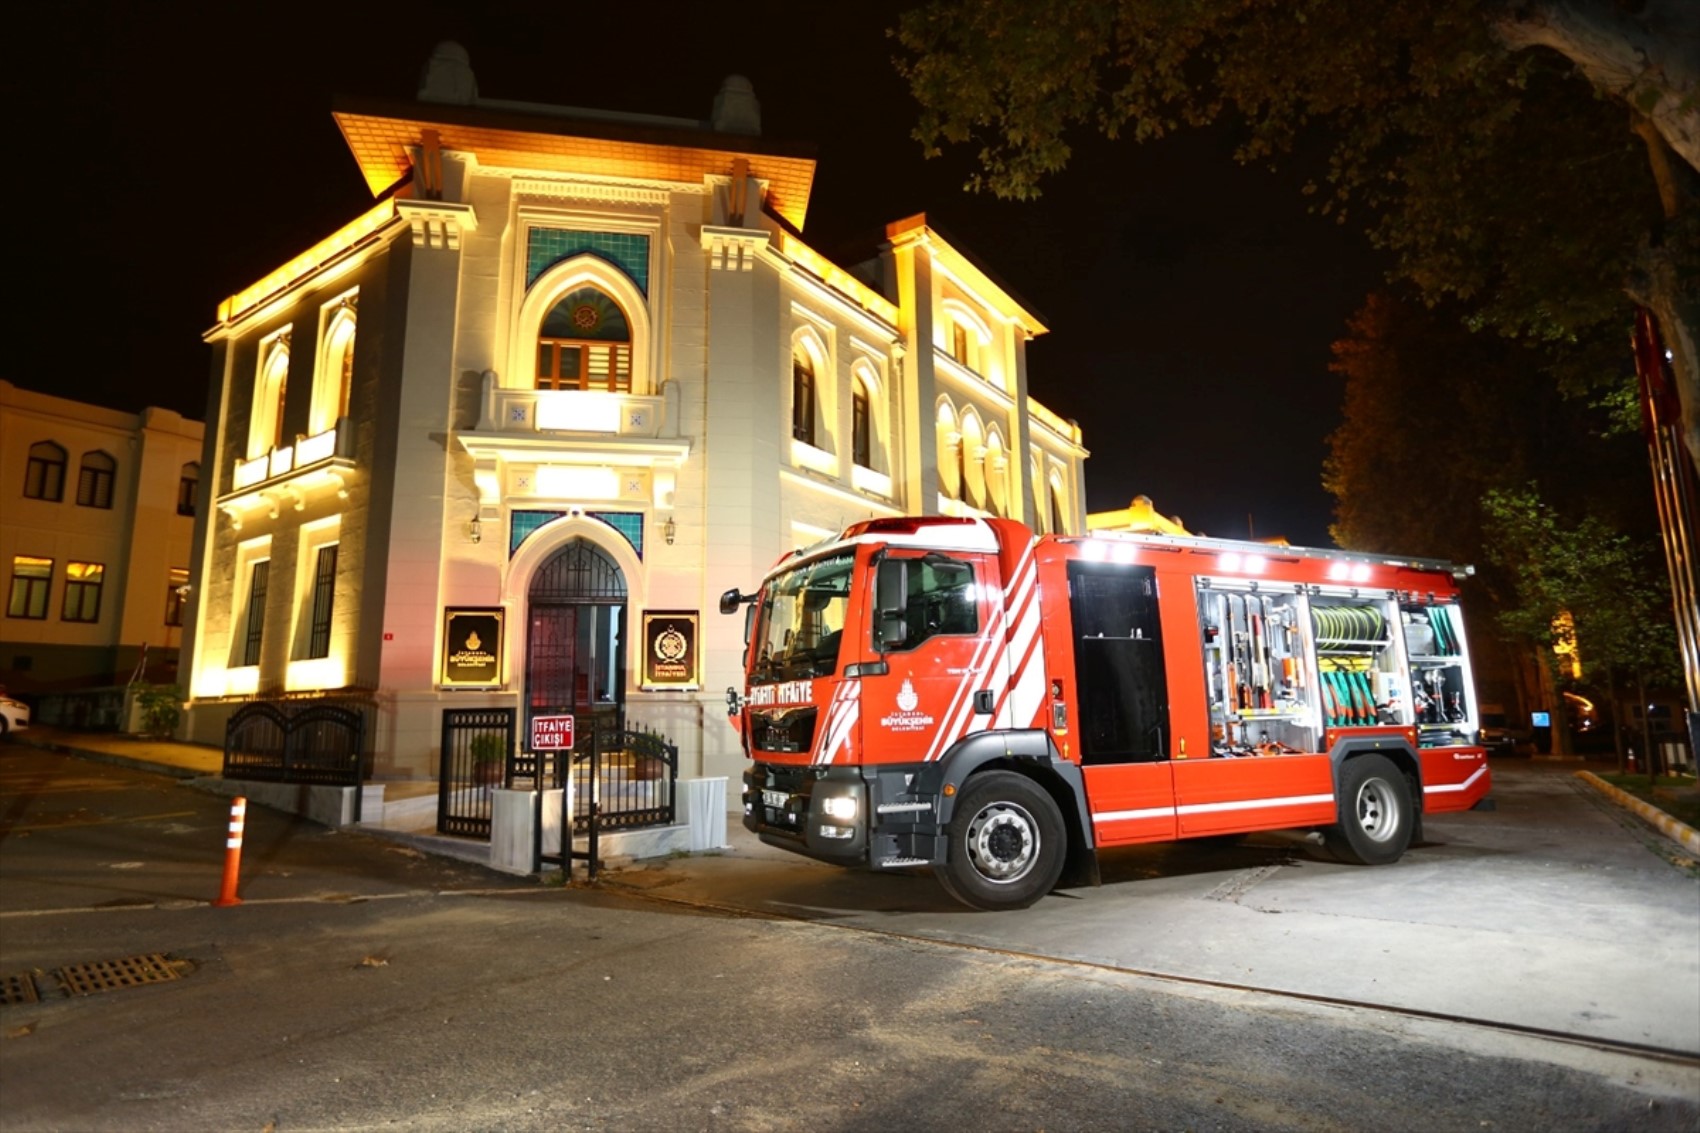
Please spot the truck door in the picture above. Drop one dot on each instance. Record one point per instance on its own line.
(934, 644)
(1122, 713)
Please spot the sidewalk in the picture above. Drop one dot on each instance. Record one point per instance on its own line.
(164, 757)
(201, 761)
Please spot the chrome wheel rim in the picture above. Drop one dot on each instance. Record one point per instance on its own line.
(1378, 810)
(1003, 842)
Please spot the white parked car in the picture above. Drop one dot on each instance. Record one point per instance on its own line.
(14, 714)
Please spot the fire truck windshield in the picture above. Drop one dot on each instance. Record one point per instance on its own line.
(802, 620)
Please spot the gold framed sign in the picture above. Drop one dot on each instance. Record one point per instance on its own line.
(472, 646)
(670, 649)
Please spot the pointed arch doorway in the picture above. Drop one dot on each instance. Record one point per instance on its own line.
(576, 638)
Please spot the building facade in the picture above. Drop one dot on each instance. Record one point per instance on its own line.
(502, 440)
(97, 534)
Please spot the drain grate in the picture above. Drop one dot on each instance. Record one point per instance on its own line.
(110, 975)
(18, 989)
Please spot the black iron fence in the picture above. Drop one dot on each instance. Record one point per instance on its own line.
(477, 756)
(622, 779)
(296, 742)
(81, 710)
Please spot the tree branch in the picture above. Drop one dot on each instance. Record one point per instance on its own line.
(1649, 60)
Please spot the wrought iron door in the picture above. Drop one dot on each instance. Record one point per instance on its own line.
(575, 648)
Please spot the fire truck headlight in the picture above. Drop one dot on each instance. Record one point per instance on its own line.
(841, 807)
(836, 831)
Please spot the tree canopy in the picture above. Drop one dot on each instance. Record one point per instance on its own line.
(1537, 159)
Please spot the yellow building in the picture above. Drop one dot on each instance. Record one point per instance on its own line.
(96, 534)
(505, 436)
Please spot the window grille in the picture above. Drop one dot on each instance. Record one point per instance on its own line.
(324, 594)
(256, 611)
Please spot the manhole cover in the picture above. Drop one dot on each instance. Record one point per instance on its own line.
(109, 975)
(18, 989)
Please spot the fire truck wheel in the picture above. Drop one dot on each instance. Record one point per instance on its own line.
(1007, 843)
(1376, 813)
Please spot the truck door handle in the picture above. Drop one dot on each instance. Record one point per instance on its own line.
(983, 702)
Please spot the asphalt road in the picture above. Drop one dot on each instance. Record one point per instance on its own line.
(363, 986)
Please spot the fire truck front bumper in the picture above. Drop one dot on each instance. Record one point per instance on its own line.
(827, 813)
(821, 812)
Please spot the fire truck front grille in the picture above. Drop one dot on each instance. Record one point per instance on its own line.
(789, 730)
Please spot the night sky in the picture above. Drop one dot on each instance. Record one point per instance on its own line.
(173, 153)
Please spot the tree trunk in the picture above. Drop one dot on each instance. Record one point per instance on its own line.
(1650, 62)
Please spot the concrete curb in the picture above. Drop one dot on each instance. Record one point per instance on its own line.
(1676, 830)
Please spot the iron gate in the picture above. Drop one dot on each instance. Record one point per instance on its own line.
(477, 749)
(622, 779)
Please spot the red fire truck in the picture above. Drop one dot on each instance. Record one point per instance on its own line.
(958, 694)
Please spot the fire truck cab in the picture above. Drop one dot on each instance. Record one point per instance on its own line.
(958, 694)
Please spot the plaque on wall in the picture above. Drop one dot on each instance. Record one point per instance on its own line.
(670, 649)
(472, 646)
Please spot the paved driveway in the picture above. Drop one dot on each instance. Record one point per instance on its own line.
(1555, 913)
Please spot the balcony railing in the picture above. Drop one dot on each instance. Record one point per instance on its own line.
(291, 473)
(281, 462)
(571, 411)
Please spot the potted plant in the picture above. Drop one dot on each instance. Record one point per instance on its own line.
(489, 754)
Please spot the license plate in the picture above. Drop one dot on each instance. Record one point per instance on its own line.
(775, 799)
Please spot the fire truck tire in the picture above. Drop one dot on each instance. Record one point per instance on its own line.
(1377, 816)
(1007, 843)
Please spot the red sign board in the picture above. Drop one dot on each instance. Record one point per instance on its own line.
(549, 732)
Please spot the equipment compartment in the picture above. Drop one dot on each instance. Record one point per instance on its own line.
(1443, 705)
(1259, 674)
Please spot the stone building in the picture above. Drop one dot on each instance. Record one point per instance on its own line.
(502, 440)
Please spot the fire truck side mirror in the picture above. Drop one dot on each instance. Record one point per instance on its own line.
(891, 595)
(731, 600)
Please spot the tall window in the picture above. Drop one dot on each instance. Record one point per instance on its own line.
(324, 595)
(271, 391)
(585, 343)
(256, 620)
(803, 396)
(176, 595)
(187, 482)
(44, 479)
(83, 583)
(335, 377)
(94, 480)
(959, 342)
(31, 580)
(861, 432)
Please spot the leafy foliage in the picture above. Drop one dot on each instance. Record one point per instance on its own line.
(1493, 176)
(1602, 578)
(161, 708)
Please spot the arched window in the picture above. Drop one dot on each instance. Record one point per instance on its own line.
(997, 475)
(949, 452)
(188, 482)
(94, 480)
(334, 381)
(969, 336)
(1057, 524)
(802, 395)
(44, 479)
(585, 343)
(973, 460)
(861, 426)
(270, 393)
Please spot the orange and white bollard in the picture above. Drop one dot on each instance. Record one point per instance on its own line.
(233, 854)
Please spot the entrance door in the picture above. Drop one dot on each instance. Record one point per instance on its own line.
(575, 647)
